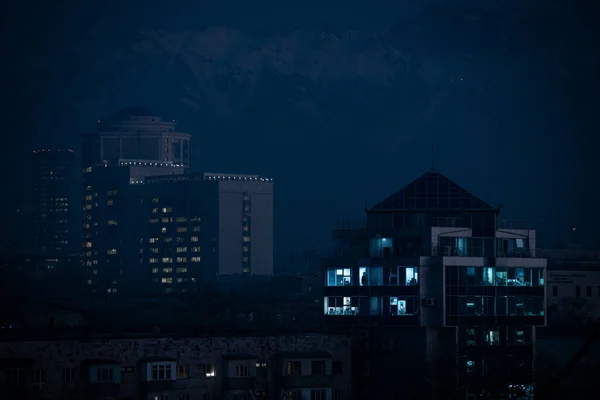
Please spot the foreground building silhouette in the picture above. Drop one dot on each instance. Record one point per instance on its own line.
(447, 302)
(222, 366)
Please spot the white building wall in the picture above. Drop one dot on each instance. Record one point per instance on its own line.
(231, 235)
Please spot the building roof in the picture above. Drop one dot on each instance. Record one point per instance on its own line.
(433, 191)
(134, 111)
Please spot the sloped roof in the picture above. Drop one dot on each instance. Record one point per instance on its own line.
(433, 191)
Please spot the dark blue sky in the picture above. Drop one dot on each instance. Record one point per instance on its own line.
(510, 101)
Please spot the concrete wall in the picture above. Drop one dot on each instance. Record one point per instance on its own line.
(231, 194)
(566, 303)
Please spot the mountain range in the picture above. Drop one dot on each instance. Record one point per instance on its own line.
(331, 106)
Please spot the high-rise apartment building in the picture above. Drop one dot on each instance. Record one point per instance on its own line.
(135, 144)
(52, 208)
(451, 300)
(198, 226)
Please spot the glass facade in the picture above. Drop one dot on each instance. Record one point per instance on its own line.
(510, 295)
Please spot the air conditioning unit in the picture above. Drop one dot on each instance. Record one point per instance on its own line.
(430, 302)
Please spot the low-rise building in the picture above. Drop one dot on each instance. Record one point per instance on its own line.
(290, 366)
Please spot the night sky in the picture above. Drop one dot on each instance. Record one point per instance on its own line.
(339, 103)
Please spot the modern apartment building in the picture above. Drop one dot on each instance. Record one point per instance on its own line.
(441, 282)
(304, 366)
(135, 144)
(52, 206)
(202, 225)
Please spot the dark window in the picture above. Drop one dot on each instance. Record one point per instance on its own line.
(588, 291)
(577, 291)
(337, 368)
(294, 368)
(554, 291)
(69, 375)
(318, 394)
(104, 374)
(319, 368)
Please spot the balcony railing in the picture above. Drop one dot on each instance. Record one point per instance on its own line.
(455, 251)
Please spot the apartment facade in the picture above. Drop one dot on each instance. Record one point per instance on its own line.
(302, 366)
(202, 225)
(53, 209)
(136, 143)
(449, 287)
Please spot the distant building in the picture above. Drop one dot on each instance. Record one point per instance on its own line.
(198, 226)
(272, 366)
(438, 283)
(52, 206)
(135, 144)
(573, 292)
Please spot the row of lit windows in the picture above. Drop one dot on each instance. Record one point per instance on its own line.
(373, 276)
(170, 280)
(170, 239)
(164, 210)
(169, 260)
(179, 270)
(155, 250)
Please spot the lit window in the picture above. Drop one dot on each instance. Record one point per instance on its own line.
(163, 230)
(194, 239)
(181, 259)
(153, 220)
(167, 260)
(339, 277)
(168, 239)
(167, 280)
(152, 240)
(196, 249)
(181, 249)
(88, 198)
(155, 270)
(88, 244)
(165, 220)
(181, 270)
(182, 229)
(167, 270)
(154, 210)
(112, 222)
(246, 238)
(196, 259)
(196, 229)
(111, 251)
(181, 219)
(155, 200)
(209, 370)
(154, 261)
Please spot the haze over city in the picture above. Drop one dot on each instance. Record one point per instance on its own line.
(300, 200)
(340, 104)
